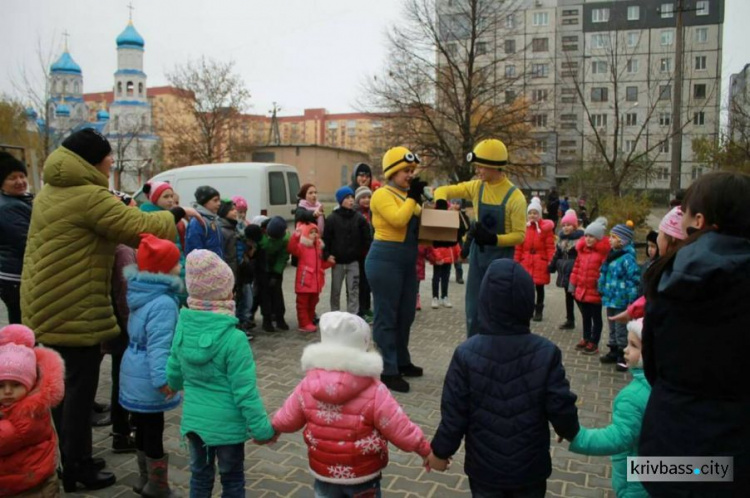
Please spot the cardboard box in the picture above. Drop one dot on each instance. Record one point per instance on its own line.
(440, 225)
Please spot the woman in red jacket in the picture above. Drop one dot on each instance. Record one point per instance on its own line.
(31, 383)
(306, 246)
(592, 249)
(537, 251)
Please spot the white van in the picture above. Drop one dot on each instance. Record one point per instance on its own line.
(270, 189)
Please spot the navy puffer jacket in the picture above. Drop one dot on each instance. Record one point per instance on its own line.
(503, 388)
(15, 216)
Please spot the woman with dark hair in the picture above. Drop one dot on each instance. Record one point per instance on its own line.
(15, 216)
(696, 338)
(309, 209)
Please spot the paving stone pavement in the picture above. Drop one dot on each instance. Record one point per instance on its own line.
(281, 470)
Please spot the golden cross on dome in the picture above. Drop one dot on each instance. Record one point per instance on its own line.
(131, 9)
(66, 35)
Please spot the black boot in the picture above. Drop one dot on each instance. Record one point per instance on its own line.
(395, 383)
(281, 324)
(411, 370)
(610, 357)
(123, 443)
(86, 474)
(538, 312)
(268, 325)
(568, 325)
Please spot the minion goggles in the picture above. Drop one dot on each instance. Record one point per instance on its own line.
(409, 157)
(471, 157)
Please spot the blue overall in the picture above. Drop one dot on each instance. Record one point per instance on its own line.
(480, 257)
(391, 269)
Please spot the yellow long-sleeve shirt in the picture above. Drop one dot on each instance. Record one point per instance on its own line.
(391, 214)
(494, 193)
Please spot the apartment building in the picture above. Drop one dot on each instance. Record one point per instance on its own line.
(739, 105)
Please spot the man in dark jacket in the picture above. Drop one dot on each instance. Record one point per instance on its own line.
(346, 237)
(503, 387)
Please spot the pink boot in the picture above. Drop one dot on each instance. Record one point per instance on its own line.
(419, 303)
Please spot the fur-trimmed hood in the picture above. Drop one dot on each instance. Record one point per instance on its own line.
(49, 389)
(334, 357)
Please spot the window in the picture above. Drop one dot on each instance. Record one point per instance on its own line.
(510, 96)
(631, 94)
(140, 89)
(569, 100)
(573, 12)
(568, 22)
(665, 119)
(599, 15)
(701, 35)
(665, 92)
(570, 39)
(540, 146)
(633, 39)
(600, 40)
(631, 119)
(699, 91)
(540, 19)
(539, 120)
(634, 13)
(667, 37)
(665, 65)
(700, 62)
(568, 117)
(599, 120)
(451, 49)
(540, 44)
(664, 147)
(510, 46)
(510, 21)
(277, 187)
(293, 180)
(599, 94)
(481, 48)
(662, 173)
(539, 70)
(119, 88)
(569, 65)
(632, 66)
(629, 145)
(598, 67)
(129, 88)
(510, 70)
(696, 172)
(701, 8)
(667, 10)
(540, 95)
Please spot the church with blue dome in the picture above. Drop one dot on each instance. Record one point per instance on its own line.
(127, 122)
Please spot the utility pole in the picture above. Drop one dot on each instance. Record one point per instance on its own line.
(676, 169)
(274, 137)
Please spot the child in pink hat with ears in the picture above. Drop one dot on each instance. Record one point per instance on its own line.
(31, 383)
(348, 415)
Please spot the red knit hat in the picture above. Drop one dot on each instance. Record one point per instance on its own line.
(156, 255)
(157, 188)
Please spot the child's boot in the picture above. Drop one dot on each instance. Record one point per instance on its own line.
(538, 312)
(610, 357)
(158, 479)
(568, 325)
(142, 472)
(281, 324)
(268, 325)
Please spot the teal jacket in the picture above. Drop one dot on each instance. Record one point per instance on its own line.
(148, 207)
(211, 361)
(620, 438)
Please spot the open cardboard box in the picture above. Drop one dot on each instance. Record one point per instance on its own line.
(438, 225)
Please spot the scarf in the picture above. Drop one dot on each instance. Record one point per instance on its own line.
(222, 307)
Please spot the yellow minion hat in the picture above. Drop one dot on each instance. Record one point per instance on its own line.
(490, 153)
(398, 158)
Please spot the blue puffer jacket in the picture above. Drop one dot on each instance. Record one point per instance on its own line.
(153, 303)
(503, 388)
(206, 236)
(620, 278)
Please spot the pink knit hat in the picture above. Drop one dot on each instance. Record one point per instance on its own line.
(157, 188)
(207, 276)
(17, 358)
(240, 203)
(570, 218)
(671, 224)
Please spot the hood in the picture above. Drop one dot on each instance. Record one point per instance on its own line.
(206, 213)
(544, 225)
(337, 374)
(506, 299)
(201, 334)
(361, 168)
(574, 235)
(64, 168)
(149, 207)
(49, 388)
(227, 223)
(713, 264)
(144, 287)
(336, 388)
(617, 253)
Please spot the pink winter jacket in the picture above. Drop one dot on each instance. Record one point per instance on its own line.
(348, 415)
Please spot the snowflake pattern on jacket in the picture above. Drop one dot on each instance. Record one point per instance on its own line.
(619, 279)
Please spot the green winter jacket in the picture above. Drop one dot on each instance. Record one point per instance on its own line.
(276, 252)
(75, 227)
(212, 362)
(620, 438)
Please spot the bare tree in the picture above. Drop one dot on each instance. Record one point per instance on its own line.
(131, 152)
(446, 86)
(198, 128)
(626, 128)
(731, 149)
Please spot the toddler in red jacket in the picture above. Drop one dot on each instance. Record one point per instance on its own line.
(537, 251)
(307, 247)
(349, 416)
(442, 259)
(31, 383)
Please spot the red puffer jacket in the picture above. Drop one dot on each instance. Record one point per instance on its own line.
(537, 250)
(444, 255)
(28, 444)
(311, 268)
(349, 416)
(585, 275)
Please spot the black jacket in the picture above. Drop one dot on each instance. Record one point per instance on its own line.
(565, 257)
(503, 388)
(347, 236)
(15, 216)
(360, 168)
(696, 340)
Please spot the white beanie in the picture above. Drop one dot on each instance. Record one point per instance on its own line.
(535, 204)
(344, 329)
(258, 220)
(636, 327)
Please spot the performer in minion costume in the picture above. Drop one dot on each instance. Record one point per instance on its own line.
(499, 213)
(391, 264)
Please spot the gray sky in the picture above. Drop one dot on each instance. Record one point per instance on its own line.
(299, 53)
